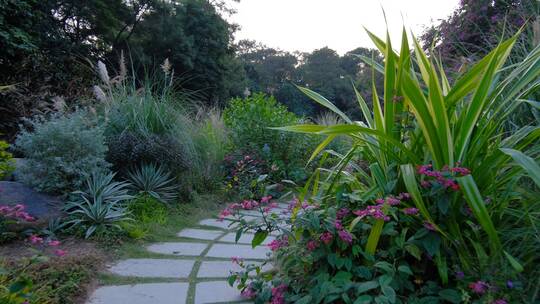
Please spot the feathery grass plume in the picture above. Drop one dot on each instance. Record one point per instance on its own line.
(103, 73)
(166, 67)
(99, 94)
(328, 119)
(123, 69)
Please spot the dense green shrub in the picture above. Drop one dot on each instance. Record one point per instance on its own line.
(249, 121)
(62, 151)
(7, 164)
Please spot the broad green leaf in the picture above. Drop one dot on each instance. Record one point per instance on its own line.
(513, 262)
(476, 203)
(301, 128)
(259, 238)
(324, 102)
(527, 163)
(374, 236)
(321, 146)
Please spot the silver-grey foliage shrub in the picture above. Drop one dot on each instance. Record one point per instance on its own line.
(61, 151)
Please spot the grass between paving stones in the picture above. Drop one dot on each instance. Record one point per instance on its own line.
(184, 216)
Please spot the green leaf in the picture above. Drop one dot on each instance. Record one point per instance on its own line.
(232, 279)
(365, 299)
(387, 267)
(515, 264)
(405, 269)
(450, 295)
(301, 128)
(321, 146)
(259, 237)
(414, 251)
(324, 102)
(366, 286)
(476, 203)
(527, 163)
(390, 293)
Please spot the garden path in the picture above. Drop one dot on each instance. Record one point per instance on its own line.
(192, 269)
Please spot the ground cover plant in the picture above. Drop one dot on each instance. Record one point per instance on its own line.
(430, 218)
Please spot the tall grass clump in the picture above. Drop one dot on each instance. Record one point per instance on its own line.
(155, 122)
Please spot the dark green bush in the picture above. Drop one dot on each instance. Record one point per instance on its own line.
(249, 121)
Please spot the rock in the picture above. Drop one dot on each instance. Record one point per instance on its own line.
(153, 268)
(38, 204)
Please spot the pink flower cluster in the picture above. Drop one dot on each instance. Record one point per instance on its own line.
(279, 243)
(479, 287)
(312, 245)
(37, 240)
(326, 237)
(248, 205)
(16, 212)
(343, 234)
(439, 176)
(248, 293)
(278, 294)
(374, 211)
(410, 211)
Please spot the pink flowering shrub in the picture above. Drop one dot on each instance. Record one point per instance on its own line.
(10, 215)
(320, 256)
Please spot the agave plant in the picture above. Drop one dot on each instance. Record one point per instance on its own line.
(427, 119)
(100, 206)
(153, 180)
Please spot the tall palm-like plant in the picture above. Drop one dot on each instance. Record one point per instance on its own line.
(427, 119)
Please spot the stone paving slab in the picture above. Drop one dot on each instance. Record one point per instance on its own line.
(244, 251)
(216, 292)
(244, 239)
(162, 293)
(218, 224)
(153, 268)
(222, 269)
(200, 234)
(178, 248)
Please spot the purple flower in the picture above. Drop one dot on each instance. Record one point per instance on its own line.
(326, 237)
(460, 275)
(278, 294)
(338, 225)
(345, 236)
(392, 201)
(499, 301)
(509, 284)
(479, 287)
(343, 212)
(312, 245)
(410, 211)
(248, 293)
(429, 226)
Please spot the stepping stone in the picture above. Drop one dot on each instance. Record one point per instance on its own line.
(153, 268)
(247, 218)
(162, 293)
(200, 234)
(251, 213)
(178, 248)
(244, 239)
(222, 269)
(216, 292)
(244, 251)
(218, 224)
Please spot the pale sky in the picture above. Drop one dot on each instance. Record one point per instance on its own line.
(305, 25)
